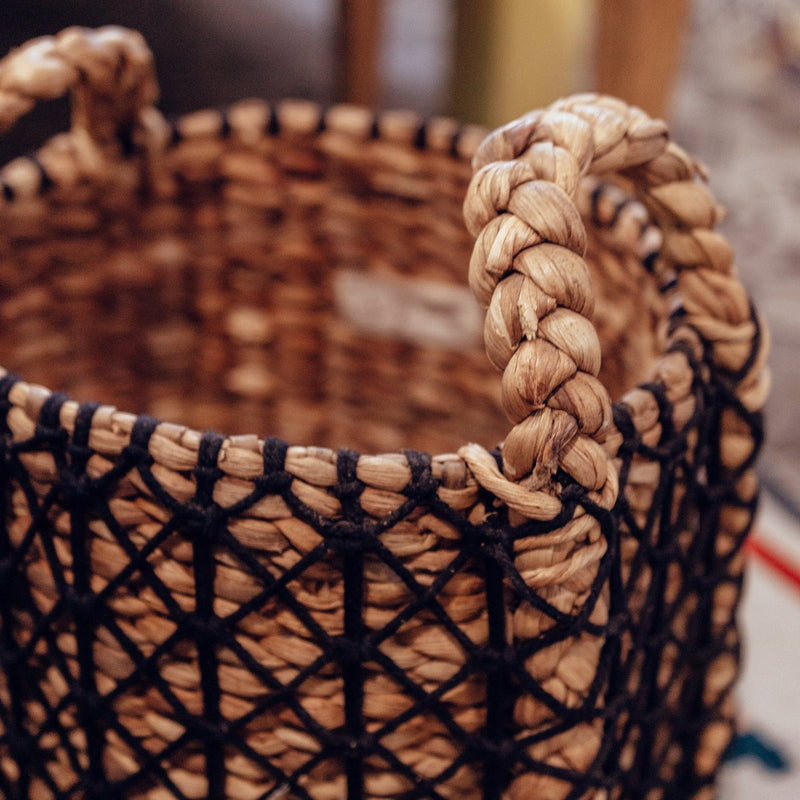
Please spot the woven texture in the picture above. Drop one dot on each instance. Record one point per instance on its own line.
(189, 615)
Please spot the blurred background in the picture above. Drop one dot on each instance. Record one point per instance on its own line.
(725, 73)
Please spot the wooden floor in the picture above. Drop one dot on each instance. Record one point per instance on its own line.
(769, 691)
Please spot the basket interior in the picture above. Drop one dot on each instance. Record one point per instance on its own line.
(309, 285)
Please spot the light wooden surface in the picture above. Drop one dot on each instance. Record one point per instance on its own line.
(359, 29)
(769, 690)
(639, 47)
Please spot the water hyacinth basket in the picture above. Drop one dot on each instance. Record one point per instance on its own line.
(188, 614)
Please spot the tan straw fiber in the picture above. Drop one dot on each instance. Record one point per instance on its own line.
(188, 614)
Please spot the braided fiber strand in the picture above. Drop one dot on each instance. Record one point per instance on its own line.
(110, 76)
(110, 72)
(527, 268)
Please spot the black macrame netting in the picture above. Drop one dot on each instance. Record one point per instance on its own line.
(654, 692)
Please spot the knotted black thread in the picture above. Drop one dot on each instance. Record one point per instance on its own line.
(350, 647)
(206, 520)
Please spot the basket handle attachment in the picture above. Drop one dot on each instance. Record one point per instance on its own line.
(528, 270)
(109, 72)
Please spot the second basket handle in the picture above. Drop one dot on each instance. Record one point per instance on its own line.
(109, 71)
(528, 270)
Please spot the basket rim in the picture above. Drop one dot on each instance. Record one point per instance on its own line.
(176, 445)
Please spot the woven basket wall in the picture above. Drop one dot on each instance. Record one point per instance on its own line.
(190, 615)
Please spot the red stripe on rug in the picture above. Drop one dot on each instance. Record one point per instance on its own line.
(756, 546)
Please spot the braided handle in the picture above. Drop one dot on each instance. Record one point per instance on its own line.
(528, 270)
(109, 72)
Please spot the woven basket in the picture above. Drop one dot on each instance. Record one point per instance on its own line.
(191, 615)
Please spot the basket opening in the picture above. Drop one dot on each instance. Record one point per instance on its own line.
(298, 286)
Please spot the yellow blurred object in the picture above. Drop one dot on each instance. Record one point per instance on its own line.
(512, 55)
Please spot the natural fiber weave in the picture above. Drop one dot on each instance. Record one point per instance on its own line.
(189, 615)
